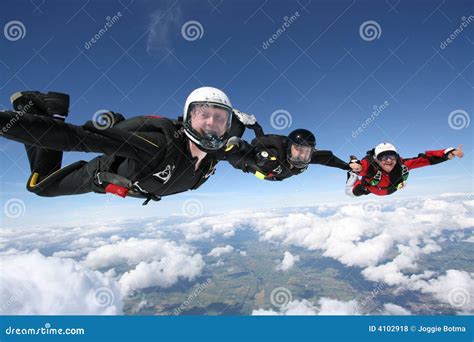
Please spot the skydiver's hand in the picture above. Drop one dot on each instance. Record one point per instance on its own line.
(356, 167)
(456, 153)
(247, 119)
(354, 164)
(234, 143)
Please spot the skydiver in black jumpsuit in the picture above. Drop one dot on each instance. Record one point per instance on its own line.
(146, 156)
(277, 157)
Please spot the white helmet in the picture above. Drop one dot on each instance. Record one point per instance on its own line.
(211, 97)
(384, 147)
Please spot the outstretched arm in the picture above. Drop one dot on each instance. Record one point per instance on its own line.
(57, 135)
(257, 129)
(433, 157)
(238, 153)
(329, 159)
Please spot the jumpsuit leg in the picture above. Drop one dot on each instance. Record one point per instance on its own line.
(351, 180)
(52, 134)
(47, 178)
(73, 179)
(42, 160)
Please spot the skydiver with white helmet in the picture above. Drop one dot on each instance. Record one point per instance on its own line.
(146, 156)
(383, 171)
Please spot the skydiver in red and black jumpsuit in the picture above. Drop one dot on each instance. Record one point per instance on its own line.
(383, 171)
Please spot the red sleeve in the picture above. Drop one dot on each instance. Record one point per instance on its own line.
(427, 158)
(365, 167)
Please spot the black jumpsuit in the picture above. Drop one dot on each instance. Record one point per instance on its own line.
(151, 152)
(266, 156)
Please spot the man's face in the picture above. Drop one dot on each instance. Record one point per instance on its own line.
(301, 153)
(207, 119)
(387, 162)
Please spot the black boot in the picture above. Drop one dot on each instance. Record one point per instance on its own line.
(43, 161)
(51, 104)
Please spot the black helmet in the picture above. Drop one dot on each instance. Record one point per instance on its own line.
(302, 137)
(304, 144)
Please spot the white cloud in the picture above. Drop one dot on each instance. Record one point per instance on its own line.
(203, 228)
(218, 251)
(158, 262)
(165, 23)
(469, 239)
(391, 272)
(32, 284)
(455, 288)
(65, 241)
(330, 306)
(394, 309)
(287, 262)
(142, 304)
(263, 312)
(132, 252)
(327, 306)
(163, 273)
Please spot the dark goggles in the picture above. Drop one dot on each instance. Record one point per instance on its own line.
(385, 156)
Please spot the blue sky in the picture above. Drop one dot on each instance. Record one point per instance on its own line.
(320, 70)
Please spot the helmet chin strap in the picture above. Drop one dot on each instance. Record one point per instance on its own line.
(210, 135)
(202, 148)
(211, 140)
(300, 166)
(298, 163)
(211, 143)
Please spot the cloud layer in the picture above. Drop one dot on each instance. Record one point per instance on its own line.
(385, 240)
(32, 284)
(327, 306)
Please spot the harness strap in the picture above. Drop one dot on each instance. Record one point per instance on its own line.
(122, 186)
